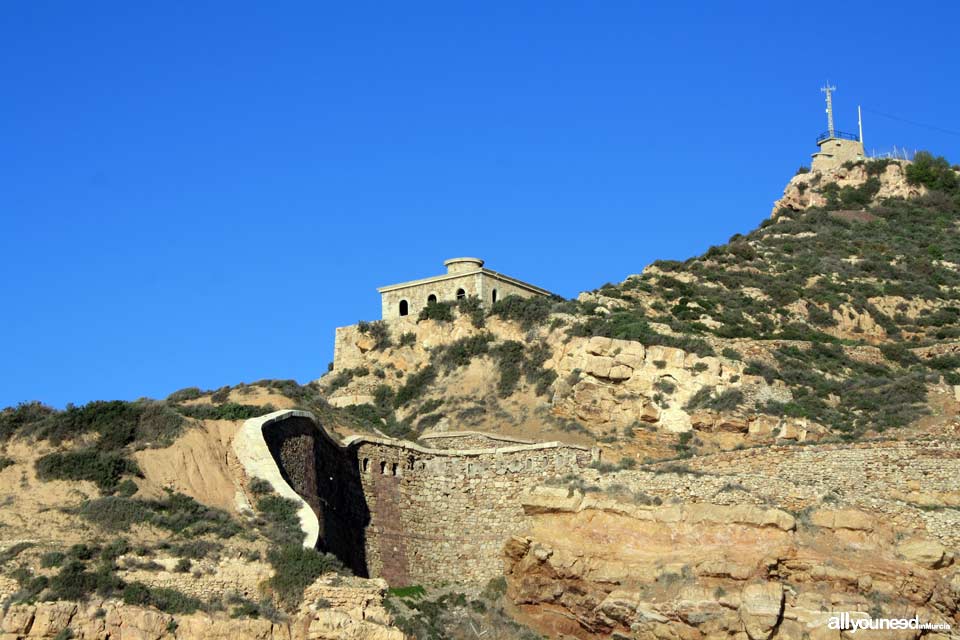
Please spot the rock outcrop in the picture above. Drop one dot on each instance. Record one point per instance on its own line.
(595, 567)
(335, 608)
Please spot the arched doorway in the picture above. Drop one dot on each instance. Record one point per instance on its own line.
(431, 298)
(404, 308)
(461, 294)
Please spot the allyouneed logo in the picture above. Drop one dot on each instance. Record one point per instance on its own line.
(860, 621)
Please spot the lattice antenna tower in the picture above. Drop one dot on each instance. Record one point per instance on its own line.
(829, 91)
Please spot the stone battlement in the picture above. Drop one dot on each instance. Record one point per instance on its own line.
(399, 510)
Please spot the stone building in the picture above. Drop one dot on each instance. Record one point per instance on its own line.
(464, 277)
(836, 148)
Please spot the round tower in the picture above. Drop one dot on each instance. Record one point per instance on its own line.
(462, 265)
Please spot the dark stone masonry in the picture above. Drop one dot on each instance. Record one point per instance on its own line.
(412, 514)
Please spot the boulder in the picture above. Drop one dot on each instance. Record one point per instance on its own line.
(761, 606)
(924, 552)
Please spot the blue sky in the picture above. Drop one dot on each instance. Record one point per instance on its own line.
(199, 194)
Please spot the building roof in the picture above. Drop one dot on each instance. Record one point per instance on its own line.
(469, 272)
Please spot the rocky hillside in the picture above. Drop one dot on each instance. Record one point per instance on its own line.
(837, 318)
(835, 325)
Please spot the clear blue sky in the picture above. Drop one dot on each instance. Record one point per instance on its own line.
(199, 193)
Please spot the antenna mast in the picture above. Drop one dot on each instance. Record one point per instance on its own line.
(829, 91)
(860, 123)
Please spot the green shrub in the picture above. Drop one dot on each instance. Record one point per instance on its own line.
(471, 307)
(295, 568)
(187, 393)
(283, 523)
(437, 311)
(226, 411)
(6, 462)
(25, 414)
(461, 352)
(167, 600)
(52, 559)
(528, 312)
(935, 173)
(259, 486)
(378, 330)
(428, 421)
(415, 386)
(820, 317)
(15, 550)
(126, 488)
(509, 356)
(176, 512)
(407, 339)
(102, 468)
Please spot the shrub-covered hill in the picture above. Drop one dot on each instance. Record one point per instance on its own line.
(847, 311)
(829, 279)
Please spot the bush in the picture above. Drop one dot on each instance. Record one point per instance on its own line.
(471, 307)
(935, 173)
(226, 411)
(528, 312)
(295, 568)
(378, 331)
(509, 355)
(259, 486)
(283, 523)
(52, 559)
(177, 512)
(407, 339)
(6, 462)
(437, 311)
(414, 386)
(188, 393)
(166, 600)
(460, 352)
(102, 468)
(25, 414)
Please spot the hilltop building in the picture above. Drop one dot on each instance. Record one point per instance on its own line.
(836, 147)
(464, 277)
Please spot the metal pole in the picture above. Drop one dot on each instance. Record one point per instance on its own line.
(860, 124)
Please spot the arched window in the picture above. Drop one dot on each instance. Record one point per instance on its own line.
(461, 294)
(383, 468)
(410, 462)
(366, 465)
(393, 468)
(431, 298)
(494, 295)
(404, 308)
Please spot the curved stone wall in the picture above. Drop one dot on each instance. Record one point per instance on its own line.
(408, 513)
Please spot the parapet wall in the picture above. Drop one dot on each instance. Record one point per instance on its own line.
(408, 513)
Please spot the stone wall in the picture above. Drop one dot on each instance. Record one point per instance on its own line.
(467, 440)
(480, 284)
(408, 513)
(444, 515)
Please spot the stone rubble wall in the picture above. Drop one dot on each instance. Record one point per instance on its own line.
(911, 485)
(443, 516)
(467, 440)
(414, 515)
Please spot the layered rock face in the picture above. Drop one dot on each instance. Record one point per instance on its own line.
(594, 567)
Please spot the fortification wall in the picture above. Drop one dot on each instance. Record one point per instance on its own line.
(467, 440)
(442, 515)
(401, 511)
